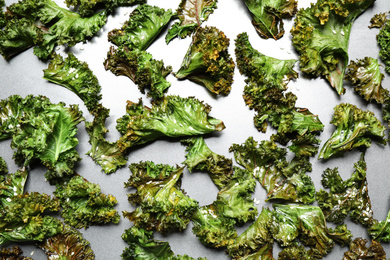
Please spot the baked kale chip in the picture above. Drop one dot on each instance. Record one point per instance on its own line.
(141, 68)
(76, 76)
(144, 25)
(354, 128)
(162, 204)
(200, 157)
(191, 15)
(321, 35)
(366, 78)
(208, 62)
(41, 131)
(268, 14)
(69, 244)
(349, 197)
(172, 116)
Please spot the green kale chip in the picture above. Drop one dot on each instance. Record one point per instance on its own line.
(208, 62)
(213, 229)
(69, 244)
(257, 236)
(141, 68)
(281, 179)
(200, 157)
(17, 36)
(294, 252)
(12, 185)
(162, 204)
(172, 116)
(378, 20)
(3, 166)
(14, 253)
(23, 218)
(88, 7)
(191, 15)
(346, 197)
(267, 80)
(84, 205)
(366, 78)
(321, 35)
(383, 39)
(41, 131)
(354, 128)
(359, 250)
(268, 14)
(308, 223)
(144, 25)
(76, 76)
(105, 153)
(234, 200)
(143, 246)
(59, 27)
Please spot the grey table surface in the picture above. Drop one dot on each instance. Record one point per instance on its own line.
(23, 75)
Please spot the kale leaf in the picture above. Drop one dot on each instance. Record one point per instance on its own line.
(321, 35)
(144, 25)
(354, 128)
(366, 78)
(162, 204)
(268, 14)
(208, 62)
(84, 205)
(191, 15)
(172, 116)
(200, 157)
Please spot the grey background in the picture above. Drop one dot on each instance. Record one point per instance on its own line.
(23, 75)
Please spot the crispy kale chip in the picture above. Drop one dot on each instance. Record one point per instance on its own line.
(3, 166)
(84, 205)
(191, 15)
(41, 131)
(308, 223)
(268, 14)
(69, 244)
(76, 76)
(59, 27)
(208, 62)
(12, 185)
(354, 128)
(366, 78)
(294, 252)
(88, 8)
(143, 246)
(234, 200)
(346, 197)
(162, 204)
(383, 39)
(267, 80)
(359, 250)
(321, 35)
(105, 153)
(17, 36)
(212, 229)
(257, 236)
(24, 219)
(172, 116)
(141, 68)
(200, 157)
(144, 25)
(281, 179)
(14, 253)
(378, 20)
